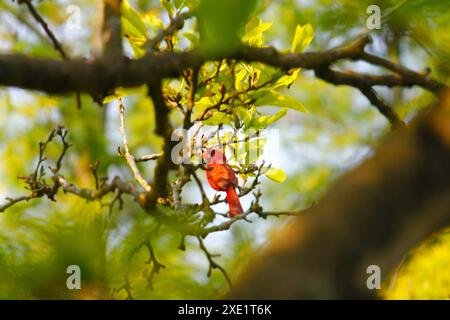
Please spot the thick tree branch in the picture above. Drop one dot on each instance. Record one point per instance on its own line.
(58, 77)
(163, 129)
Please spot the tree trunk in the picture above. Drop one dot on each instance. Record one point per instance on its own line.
(373, 215)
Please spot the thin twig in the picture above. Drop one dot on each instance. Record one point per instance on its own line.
(56, 44)
(175, 24)
(149, 157)
(212, 264)
(127, 155)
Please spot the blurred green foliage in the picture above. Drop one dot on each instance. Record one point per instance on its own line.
(220, 23)
(39, 239)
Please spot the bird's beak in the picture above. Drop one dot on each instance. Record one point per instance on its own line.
(206, 155)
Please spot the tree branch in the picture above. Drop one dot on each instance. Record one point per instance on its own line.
(163, 129)
(44, 25)
(58, 77)
(127, 155)
(175, 24)
(39, 187)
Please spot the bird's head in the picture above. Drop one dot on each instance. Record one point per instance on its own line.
(215, 156)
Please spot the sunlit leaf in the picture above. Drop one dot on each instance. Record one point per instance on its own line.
(132, 22)
(168, 6)
(302, 38)
(218, 118)
(276, 174)
(274, 98)
(266, 120)
(254, 37)
(288, 79)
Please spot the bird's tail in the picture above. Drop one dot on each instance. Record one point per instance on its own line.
(233, 201)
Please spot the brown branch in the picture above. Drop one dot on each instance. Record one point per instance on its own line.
(12, 201)
(212, 264)
(90, 194)
(226, 225)
(152, 68)
(365, 84)
(382, 106)
(99, 78)
(148, 157)
(20, 17)
(175, 24)
(127, 155)
(156, 265)
(39, 187)
(193, 79)
(46, 28)
(163, 129)
(54, 76)
(410, 77)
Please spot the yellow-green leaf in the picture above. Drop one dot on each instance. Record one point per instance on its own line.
(168, 6)
(276, 174)
(254, 36)
(266, 120)
(302, 38)
(274, 98)
(288, 79)
(153, 22)
(133, 24)
(218, 118)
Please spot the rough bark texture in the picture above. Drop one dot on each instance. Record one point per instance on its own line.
(372, 215)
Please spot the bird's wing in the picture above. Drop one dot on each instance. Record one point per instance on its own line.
(220, 176)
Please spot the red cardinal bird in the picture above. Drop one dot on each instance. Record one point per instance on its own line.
(221, 177)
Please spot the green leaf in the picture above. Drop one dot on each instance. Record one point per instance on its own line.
(134, 29)
(153, 22)
(201, 106)
(276, 174)
(168, 6)
(274, 98)
(240, 75)
(178, 4)
(132, 23)
(302, 38)
(266, 120)
(288, 79)
(218, 118)
(254, 37)
(220, 23)
(245, 115)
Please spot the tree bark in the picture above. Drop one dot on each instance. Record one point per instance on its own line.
(371, 216)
